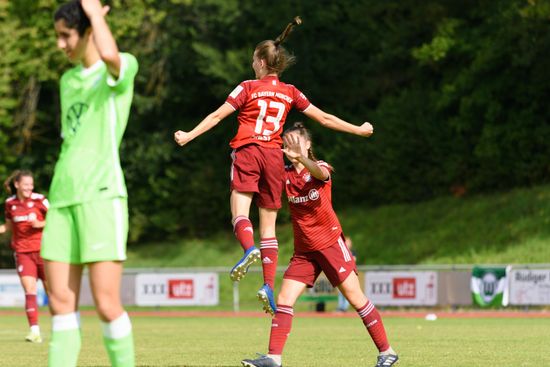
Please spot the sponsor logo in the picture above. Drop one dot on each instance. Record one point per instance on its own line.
(248, 229)
(97, 246)
(181, 288)
(373, 322)
(267, 260)
(313, 194)
(404, 288)
(342, 269)
(21, 218)
(380, 288)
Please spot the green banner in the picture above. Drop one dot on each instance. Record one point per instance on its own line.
(489, 286)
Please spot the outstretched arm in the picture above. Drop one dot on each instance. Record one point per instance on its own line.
(335, 123)
(103, 38)
(292, 148)
(184, 137)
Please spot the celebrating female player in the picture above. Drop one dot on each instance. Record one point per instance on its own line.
(258, 166)
(318, 246)
(88, 221)
(25, 214)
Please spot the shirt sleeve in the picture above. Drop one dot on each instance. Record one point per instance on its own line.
(128, 70)
(238, 97)
(326, 166)
(44, 205)
(300, 100)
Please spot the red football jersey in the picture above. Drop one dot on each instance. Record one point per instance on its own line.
(24, 237)
(263, 106)
(314, 221)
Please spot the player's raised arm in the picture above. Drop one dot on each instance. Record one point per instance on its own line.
(336, 123)
(103, 38)
(184, 137)
(295, 151)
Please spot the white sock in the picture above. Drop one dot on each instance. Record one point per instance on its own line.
(35, 329)
(277, 358)
(68, 321)
(388, 351)
(118, 328)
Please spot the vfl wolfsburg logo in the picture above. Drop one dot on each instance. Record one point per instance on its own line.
(76, 111)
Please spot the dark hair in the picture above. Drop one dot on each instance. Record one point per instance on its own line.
(276, 56)
(16, 176)
(73, 15)
(301, 129)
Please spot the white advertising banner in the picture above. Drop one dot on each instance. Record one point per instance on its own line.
(12, 294)
(401, 288)
(183, 289)
(530, 287)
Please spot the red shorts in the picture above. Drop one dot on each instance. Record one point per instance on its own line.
(335, 261)
(30, 264)
(261, 171)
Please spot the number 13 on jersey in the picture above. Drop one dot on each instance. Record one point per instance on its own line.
(262, 118)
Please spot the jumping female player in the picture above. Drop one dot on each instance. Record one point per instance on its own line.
(258, 165)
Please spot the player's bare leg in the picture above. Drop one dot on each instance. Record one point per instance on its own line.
(269, 248)
(64, 288)
(240, 209)
(351, 289)
(105, 280)
(280, 325)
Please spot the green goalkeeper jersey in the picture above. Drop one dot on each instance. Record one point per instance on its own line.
(95, 110)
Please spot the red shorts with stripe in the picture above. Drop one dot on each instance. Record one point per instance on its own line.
(259, 170)
(29, 264)
(335, 261)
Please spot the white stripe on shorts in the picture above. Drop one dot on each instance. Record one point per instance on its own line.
(119, 229)
(233, 157)
(345, 250)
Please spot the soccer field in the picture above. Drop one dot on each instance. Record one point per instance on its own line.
(314, 341)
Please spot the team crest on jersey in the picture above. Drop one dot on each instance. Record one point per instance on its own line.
(307, 177)
(74, 115)
(313, 194)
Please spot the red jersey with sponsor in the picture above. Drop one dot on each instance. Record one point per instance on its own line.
(24, 237)
(263, 106)
(314, 221)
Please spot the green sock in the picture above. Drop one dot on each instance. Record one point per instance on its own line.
(119, 341)
(65, 340)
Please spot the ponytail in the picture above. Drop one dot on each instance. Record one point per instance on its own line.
(276, 57)
(283, 36)
(9, 183)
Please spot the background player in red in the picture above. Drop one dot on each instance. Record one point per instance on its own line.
(318, 246)
(258, 165)
(25, 218)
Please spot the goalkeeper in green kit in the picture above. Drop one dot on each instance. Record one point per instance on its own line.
(87, 224)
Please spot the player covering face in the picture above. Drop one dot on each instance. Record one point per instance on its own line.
(318, 246)
(87, 224)
(258, 167)
(25, 213)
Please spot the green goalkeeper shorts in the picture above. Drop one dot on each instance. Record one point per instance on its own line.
(87, 232)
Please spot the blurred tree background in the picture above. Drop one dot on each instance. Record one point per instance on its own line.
(457, 91)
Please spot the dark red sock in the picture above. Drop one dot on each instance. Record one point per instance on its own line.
(373, 322)
(269, 249)
(242, 227)
(31, 308)
(280, 329)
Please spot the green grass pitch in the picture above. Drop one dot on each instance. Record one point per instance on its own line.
(316, 342)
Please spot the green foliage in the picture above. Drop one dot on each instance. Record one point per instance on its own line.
(456, 90)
